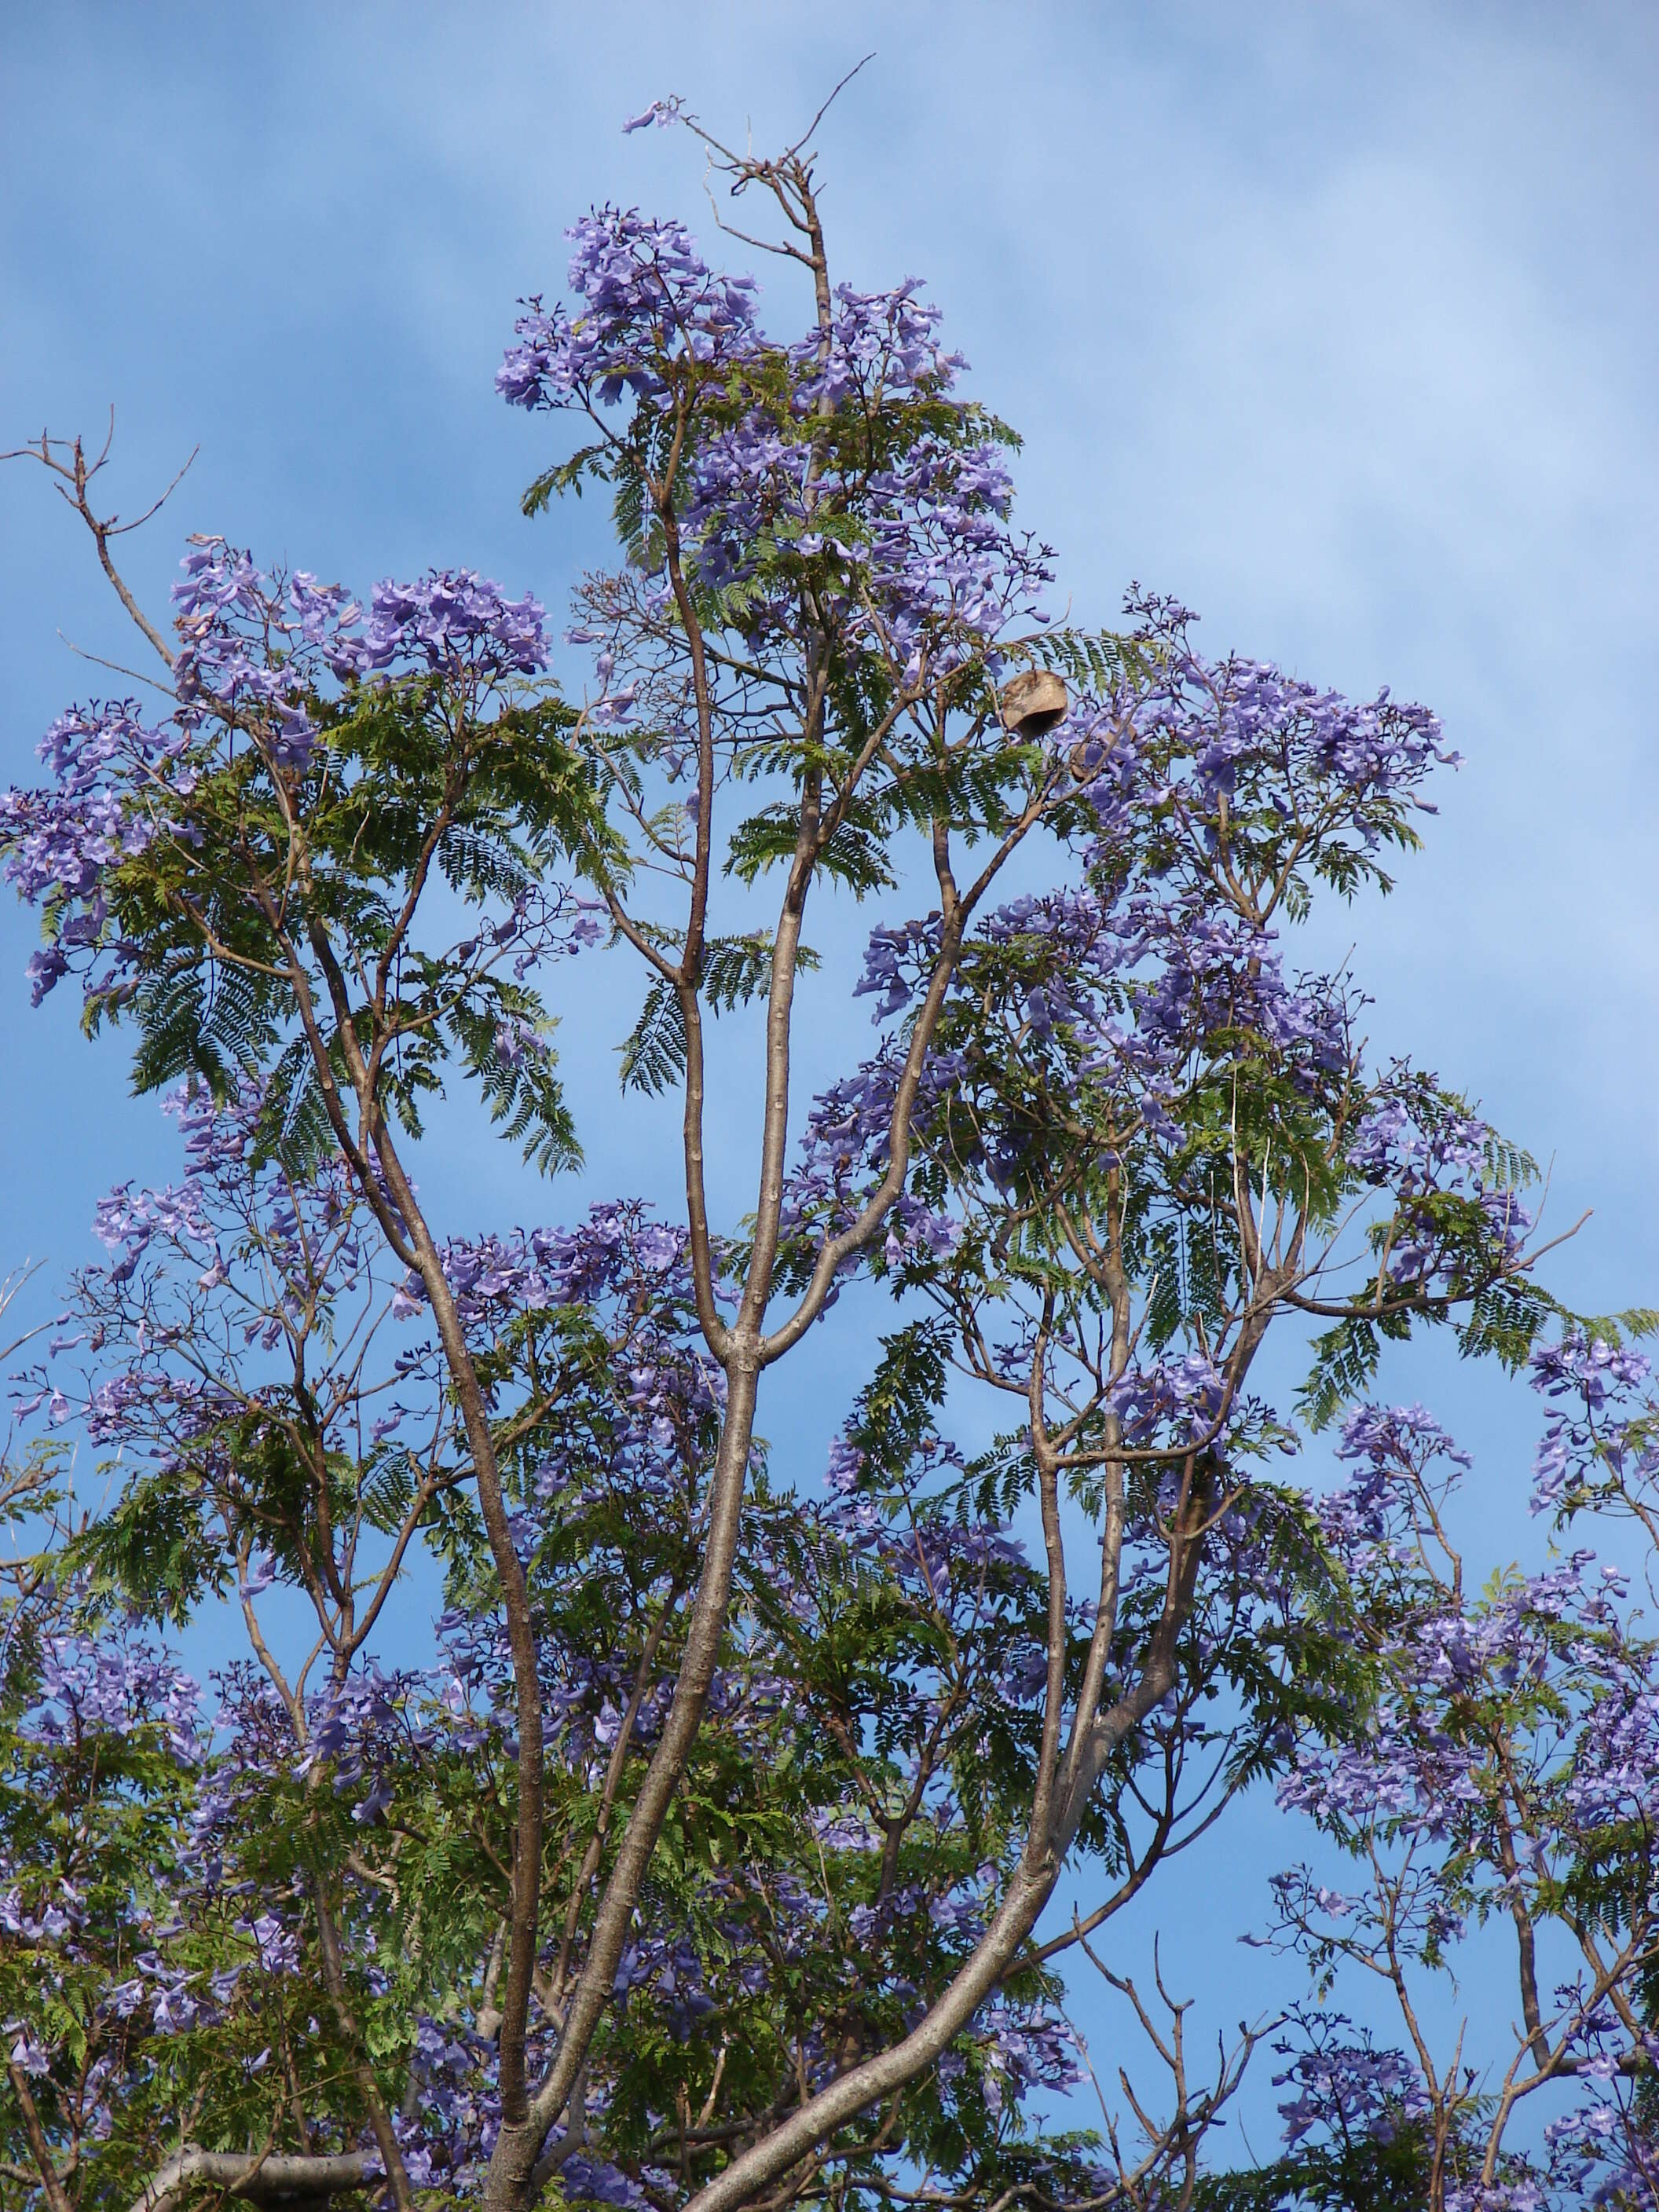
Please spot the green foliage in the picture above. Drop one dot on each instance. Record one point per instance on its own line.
(284, 888)
(736, 971)
(1345, 1359)
(1370, 2175)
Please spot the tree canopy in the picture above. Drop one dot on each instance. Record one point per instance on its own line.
(708, 1858)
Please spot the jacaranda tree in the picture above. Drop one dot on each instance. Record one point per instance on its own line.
(702, 1852)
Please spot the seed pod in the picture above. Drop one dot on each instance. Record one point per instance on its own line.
(1031, 704)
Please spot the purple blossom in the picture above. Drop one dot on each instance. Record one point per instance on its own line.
(261, 657)
(648, 299)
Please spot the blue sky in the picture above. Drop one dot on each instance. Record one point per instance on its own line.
(1337, 321)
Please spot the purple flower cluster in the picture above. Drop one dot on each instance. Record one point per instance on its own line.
(1416, 1141)
(1344, 2086)
(1182, 1397)
(263, 644)
(1508, 1755)
(120, 1750)
(927, 533)
(119, 785)
(1245, 758)
(1600, 1447)
(906, 539)
(260, 654)
(648, 299)
(118, 1684)
(617, 1248)
(1131, 1008)
(1411, 1773)
(267, 1253)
